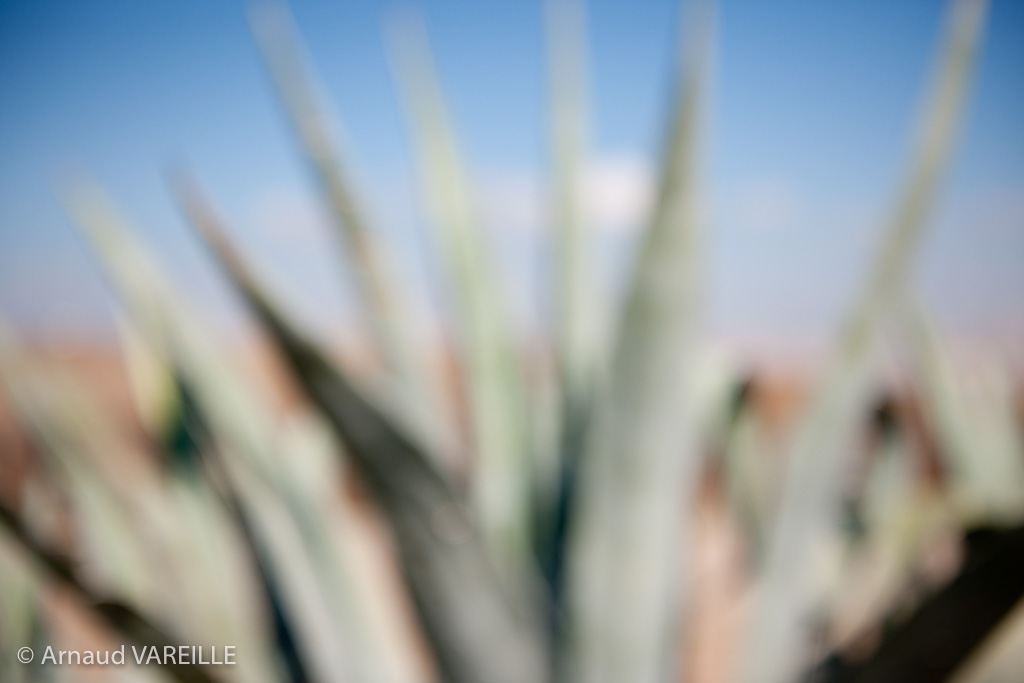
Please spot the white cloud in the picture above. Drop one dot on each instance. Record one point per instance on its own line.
(615, 196)
(618, 192)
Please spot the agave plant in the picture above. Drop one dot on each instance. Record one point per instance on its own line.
(565, 551)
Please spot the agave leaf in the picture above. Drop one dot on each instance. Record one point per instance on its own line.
(215, 601)
(810, 498)
(879, 561)
(150, 377)
(385, 303)
(979, 433)
(1001, 658)
(124, 527)
(475, 631)
(284, 632)
(937, 639)
(498, 408)
(639, 466)
(239, 419)
(747, 473)
(572, 277)
(121, 618)
(80, 444)
(571, 274)
(898, 517)
(18, 608)
(197, 446)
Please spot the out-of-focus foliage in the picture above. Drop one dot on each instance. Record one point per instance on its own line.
(337, 541)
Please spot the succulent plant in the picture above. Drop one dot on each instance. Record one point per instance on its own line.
(564, 554)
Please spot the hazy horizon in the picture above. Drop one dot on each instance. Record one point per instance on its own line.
(815, 105)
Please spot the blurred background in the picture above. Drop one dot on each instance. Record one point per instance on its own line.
(813, 110)
(812, 113)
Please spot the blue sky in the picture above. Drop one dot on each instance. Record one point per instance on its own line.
(815, 103)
